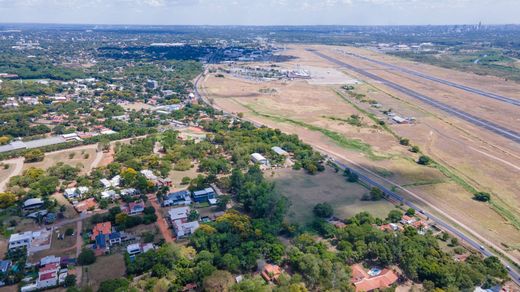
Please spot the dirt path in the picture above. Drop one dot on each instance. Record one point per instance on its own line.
(18, 166)
(79, 245)
(161, 221)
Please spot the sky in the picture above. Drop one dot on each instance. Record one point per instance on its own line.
(261, 12)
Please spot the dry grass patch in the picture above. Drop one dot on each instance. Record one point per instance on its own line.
(305, 191)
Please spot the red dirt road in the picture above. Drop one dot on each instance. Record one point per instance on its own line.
(161, 221)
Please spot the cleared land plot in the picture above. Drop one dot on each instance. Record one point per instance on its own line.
(305, 191)
(176, 176)
(105, 268)
(59, 247)
(83, 156)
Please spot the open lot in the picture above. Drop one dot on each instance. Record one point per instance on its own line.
(305, 191)
(105, 268)
(83, 156)
(470, 158)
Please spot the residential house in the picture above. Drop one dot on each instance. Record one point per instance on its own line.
(205, 195)
(133, 249)
(32, 204)
(374, 280)
(177, 198)
(271, 273)
(181, 225)
(18, 240)
(408, 220)
(104, 228)
(33, 241)
(48, 276)
(114, 238)
(85, 205)
(183, 229)
(109, 194)
(129, 192)
(134, 208)
(73, 193)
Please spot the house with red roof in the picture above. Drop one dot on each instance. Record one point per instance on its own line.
(271, 273)
(48, 276)
(372, 280)
(104, 228)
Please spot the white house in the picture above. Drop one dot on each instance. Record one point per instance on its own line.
(180, 213)
(72, 193)
(18, 240)
(183, 229)
(133, 249)
(31, 204)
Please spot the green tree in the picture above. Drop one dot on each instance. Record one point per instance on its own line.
(394, 216)
(34, 155)
(323, 210)
(424, 160)
(86, 257)
(482, 196)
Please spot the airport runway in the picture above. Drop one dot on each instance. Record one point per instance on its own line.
(505, 99)
(504, 132)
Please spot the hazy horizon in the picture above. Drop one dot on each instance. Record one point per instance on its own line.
(269, 12)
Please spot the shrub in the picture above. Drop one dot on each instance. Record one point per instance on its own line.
(424, 160)
(69, 231)
(404, 141)
(323, 210)
(482, 196)
(86, 257)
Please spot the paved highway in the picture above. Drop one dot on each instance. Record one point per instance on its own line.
(394, 196)
(502, 131)
(505, 99)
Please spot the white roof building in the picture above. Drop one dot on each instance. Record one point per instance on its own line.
(259, 158)
(279, 151)
(183, 229)
(179, 213)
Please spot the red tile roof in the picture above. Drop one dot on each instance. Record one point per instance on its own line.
(271, 272)
(101, 228)
(364, 282)
(49, 267)
(47, 276)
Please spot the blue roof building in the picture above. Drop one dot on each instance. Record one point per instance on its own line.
(177, 198)
(204, 195)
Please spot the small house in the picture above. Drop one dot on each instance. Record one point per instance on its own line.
(271, 273)
(177, 198)
(134, 208)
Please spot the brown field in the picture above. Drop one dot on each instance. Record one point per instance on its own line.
(305, 191)
(105, 268)
(176, 176)
(6, 172)
(79, 153)
(475, 158)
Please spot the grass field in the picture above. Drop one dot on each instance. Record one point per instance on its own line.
(105, 268)
(305, 191)
(83, 157)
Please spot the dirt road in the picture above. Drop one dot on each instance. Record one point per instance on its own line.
(161, 221)
(18, 166)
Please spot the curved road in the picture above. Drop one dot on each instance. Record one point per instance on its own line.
(18, 166)
(368, 177)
